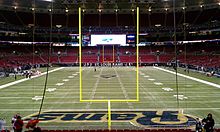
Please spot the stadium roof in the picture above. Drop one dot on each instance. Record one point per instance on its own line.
(107, 6)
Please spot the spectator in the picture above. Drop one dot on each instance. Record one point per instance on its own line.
(18, 125)
(2, 124)
(208, 123)
(14, 118)
(199, 126)
(33, 125)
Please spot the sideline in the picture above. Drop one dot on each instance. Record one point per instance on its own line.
(25, 79)
(188, 77)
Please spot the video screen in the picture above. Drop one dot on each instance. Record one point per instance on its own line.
(103, 39)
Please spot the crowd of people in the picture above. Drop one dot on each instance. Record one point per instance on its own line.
(206, 124)
(18, 124)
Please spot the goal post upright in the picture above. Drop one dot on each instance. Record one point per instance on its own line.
(103, 54)
(137, 55)
(80, 55)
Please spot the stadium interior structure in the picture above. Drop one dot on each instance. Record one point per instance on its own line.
(176, 79)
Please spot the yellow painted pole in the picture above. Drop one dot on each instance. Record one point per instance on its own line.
(109, 115)
(137, 51)
(80, 55)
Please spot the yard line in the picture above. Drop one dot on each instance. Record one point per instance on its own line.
(123, 89)
(188, 77)
(144, 93)
(65, 95)
(104, 110)
(25, 79)
(94, 89)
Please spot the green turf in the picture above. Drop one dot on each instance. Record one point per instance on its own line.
(5, 80)
(202, 98)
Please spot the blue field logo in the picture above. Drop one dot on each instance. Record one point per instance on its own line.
(144, 119)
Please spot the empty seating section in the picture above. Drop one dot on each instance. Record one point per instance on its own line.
(14, 56)
(128, 58)
(147, 58)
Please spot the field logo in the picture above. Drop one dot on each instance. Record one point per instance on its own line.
(144, 119)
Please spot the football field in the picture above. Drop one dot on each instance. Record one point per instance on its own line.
(157, 92)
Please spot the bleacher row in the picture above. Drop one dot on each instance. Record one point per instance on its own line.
(16, 56)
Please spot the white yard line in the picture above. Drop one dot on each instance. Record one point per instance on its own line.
(104, 110)
(25, 79)
(124, 90)
(94, 89)
(191, 78)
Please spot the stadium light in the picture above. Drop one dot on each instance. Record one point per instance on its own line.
(219, 3)
(149, 10)
(58, 26)
(183, 7)
(66, 10)
(15, 7)
(48, 0)
(157, 25)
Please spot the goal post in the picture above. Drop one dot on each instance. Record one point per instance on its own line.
(105, 56)
(137, 70)
(137, 65)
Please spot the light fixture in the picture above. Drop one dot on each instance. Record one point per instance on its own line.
(116, 10)
(166, 9)
(49, 10)
(132, 10)
(157, 25)
(32, 8)
(48, 0)
(149, 10)
(219, 3)
(183, 7)
(100, 10)
(83, 10)
(67, 10)
(201, 6)
(15, 7)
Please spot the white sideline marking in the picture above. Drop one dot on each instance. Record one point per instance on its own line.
(181, 97)
(158, 83)
(74, 74)
(59, 84)
(51, 89)
(146, 76)
(36, 98)
(65, 80)
(151, 79)
(70, 76)
(167, 89)
(188, 77)
(25, 79)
